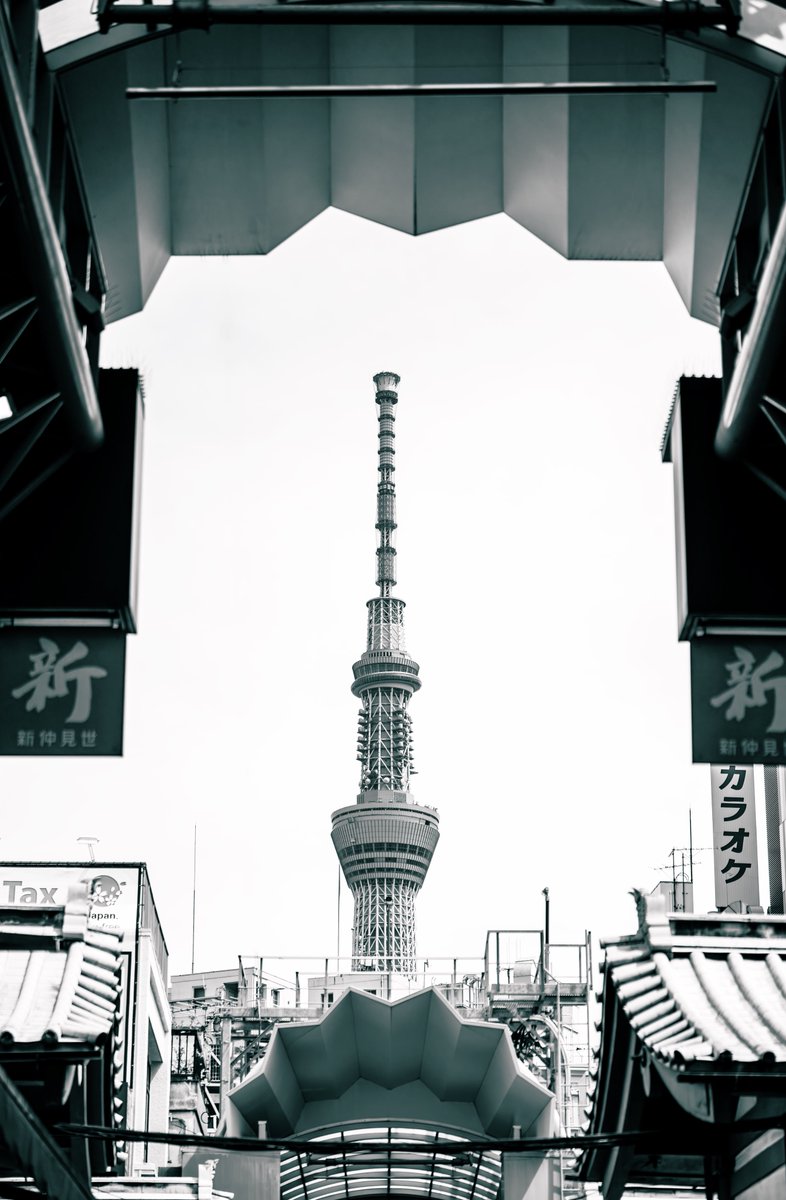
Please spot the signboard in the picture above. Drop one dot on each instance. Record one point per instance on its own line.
(727, 573)
(72, 547)
(114, 903)
(734, 837)
(738, 698)
(61, 691)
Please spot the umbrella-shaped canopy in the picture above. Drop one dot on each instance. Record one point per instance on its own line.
(411, 1061)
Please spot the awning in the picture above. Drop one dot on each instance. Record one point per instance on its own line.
(595, 177)
(408, 1062)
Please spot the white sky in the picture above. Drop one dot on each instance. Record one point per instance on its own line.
(536, 557)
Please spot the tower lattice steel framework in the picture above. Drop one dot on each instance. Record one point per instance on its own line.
(385, 841)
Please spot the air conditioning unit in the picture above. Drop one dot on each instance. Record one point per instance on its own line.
(146, 1170)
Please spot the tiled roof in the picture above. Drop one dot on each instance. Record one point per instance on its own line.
(58, 973)
(693, 1024)
(703, 988)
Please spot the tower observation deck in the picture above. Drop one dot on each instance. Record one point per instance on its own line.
(385, 841)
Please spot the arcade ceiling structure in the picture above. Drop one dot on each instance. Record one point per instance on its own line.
(623, 177)
(620, 175)
(648, 132)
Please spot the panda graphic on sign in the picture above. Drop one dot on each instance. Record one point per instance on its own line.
(104, 891)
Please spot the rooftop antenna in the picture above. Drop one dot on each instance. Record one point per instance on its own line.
(193, 906)
(89, 842)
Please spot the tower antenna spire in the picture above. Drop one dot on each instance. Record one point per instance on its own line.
(387, 398)
(385, 841)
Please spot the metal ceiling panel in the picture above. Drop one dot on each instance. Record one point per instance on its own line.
(307, 1054)
(367, 1103)
(245, 176)
(408, 1039)
(150, 156)
(458, 160)
(458, 142)
(277, 1089)
(682, 155)
(373, 1031)
(731, 121)
(341, 1053)
(373, 141)
(439, 1050)
(474, 1058)
(497, 1101)
(535, 133)
(101, 132)
(373, 155)
(615, 149)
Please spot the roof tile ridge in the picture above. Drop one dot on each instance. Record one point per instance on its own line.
(26, 996)
(771, 1020)
(65, 996)
(734, 1043)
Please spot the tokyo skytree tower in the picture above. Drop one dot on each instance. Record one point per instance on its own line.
(385, 841)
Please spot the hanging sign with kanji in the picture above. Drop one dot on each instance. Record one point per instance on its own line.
(738, 694)
(734, 837)
(61, 691)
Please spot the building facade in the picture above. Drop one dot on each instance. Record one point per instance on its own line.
(120, 904)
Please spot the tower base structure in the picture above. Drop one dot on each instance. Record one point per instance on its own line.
(379, 904)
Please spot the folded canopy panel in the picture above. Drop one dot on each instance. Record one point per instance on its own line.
(409, 1060)
(245, 176)
(597, 177)
(615, 149)
(373, 141)
(535, 137)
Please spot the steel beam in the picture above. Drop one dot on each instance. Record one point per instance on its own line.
(35, 1148)
(48, 270)
(189, 14)
(759, 351)
(288, 92)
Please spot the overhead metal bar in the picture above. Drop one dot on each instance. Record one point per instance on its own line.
(759, 352)
(39, 417)
(199, 14)
(328, 90)
(523, 1145)
(48, 269)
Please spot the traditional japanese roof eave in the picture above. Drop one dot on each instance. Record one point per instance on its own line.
(59, 981)
(681, 1098)
(59, 1008)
